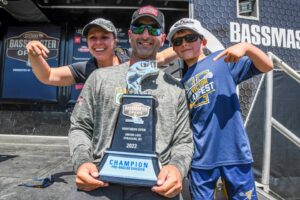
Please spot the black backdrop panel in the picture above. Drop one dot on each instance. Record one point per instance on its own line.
(285, 155)
(19, 82)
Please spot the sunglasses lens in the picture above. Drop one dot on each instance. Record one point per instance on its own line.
(177, 41)
(139, 29)
(191, 37)
(188, 38)
(154, 31)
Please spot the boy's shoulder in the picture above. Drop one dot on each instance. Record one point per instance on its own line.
(213, 54)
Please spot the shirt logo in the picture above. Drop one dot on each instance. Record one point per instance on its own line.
(80, 100)
(248, 194)
(198, 88)
(119, 93)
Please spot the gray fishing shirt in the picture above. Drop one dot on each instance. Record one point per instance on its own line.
(95, 115)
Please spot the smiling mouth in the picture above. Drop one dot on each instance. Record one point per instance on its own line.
(99, 49)
(184, 50)
(145, 43)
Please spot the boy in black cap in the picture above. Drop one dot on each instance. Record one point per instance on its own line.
(95, 115)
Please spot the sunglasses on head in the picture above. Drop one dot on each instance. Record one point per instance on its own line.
(188, 38)
(140, 28)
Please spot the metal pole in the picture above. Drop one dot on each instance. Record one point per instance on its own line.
(268, 131)
(254, 99)
(286, 132)
(286, 68)
(191, 9)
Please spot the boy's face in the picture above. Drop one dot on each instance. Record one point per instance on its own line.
(145, 45)
(189, 50)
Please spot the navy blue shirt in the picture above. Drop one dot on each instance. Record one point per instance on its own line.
(219, 134)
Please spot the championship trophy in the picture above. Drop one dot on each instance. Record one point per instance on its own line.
(131, 159)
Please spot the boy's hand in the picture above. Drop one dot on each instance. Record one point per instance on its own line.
(36, 48)
(169, 182)
(87, 177)
(233, 53)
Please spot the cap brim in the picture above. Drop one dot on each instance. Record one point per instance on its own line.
(146, 15)
(89, 26)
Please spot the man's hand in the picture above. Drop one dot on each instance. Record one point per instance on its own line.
(233, 53)
(169, 182)
(86, 178)
(36, 48)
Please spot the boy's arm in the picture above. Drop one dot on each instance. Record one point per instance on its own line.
(166, 56)
(37, 53)
(232, 54)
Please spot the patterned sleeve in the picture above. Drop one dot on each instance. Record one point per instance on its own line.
(81, 128)
(183, 146)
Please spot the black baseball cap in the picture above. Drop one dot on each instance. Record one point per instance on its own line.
(149, 11)
(102, 23)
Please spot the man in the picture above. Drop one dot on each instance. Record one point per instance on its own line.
(96, 112)
(101, 37)
(221, 143)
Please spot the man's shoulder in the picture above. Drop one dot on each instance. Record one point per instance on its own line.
(112, 69)
(116, 68)
(212, 55)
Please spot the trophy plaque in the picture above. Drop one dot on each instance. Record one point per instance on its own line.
(131, 159)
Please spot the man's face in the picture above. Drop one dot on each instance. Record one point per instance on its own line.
(145, 45)
(101, 43)
(187, 50)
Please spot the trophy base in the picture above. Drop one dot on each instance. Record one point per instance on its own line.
(129, 168)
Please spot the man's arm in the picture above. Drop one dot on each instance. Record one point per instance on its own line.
(183, 145)
(261, 61)
(169, 181)
(80, 139)
(60, 76)
(166, 56)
